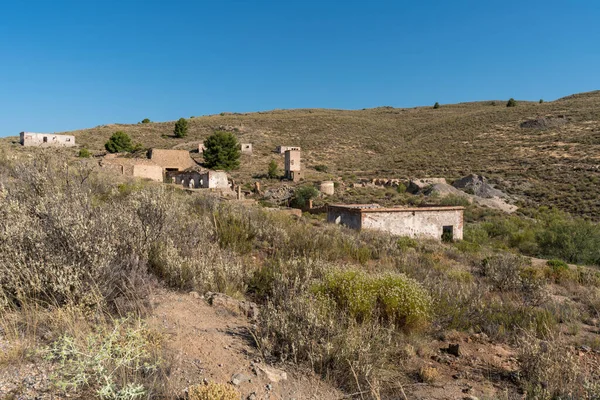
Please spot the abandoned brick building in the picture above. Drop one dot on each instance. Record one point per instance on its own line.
(46, 140)
(137, 167)
(422, 222)
(194, 178)
(172, 160)
(293, 166)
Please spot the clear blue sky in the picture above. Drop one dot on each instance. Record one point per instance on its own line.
(74, 64)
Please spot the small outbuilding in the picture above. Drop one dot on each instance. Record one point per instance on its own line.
(46, 140)
(418, 222)
(283, 149)
(246, 148)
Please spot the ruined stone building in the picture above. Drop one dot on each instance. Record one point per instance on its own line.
(283, 149)
(172, 160)
(193, 178)
(423, 222)
(246, 148)
(136, 167)
(293, 167)
(46, 140)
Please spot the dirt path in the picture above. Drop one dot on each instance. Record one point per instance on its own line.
(213, 343)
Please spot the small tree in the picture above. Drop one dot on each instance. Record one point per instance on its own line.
(181, 127)
(511, 103)
(84, 153)
(273, 171)
(221, 151)
(146, 121)
(541, 101)
(119, 142)
(436, 105)
(303, 194)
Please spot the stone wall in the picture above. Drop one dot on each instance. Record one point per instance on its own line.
(152, 172)
(417, 223)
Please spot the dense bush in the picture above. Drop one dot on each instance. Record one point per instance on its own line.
(550, 234)
(436, 105)
(119, 142)
(181, 128)
(146, 121)
(84, 153)
(394, 298)
(303, 194)
(511, 103)
(221, 151)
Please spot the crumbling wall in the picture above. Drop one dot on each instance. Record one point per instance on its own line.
(152, 172)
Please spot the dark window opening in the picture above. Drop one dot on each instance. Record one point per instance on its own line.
(448, 233)
(45, 139)
(172, 169)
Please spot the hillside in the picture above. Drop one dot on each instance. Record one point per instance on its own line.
(554, 166)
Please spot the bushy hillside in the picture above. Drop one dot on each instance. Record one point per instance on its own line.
(554, 162)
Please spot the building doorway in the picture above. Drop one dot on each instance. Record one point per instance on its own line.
(447, 233)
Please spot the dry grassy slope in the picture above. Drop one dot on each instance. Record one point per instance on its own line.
(559, 166)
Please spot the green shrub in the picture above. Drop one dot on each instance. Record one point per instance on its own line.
(303, 194)
(401, 188)
(394, 298)
(146, 121)
(181, 128)
(405, 242)
(436, 105)
(222, 151)
(558, 270)
(321, 168)
(234, 232)
(84, 153)
(511, 103)
(541, 101)
(119, 142)
(273, 171)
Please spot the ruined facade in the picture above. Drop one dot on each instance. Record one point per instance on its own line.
(197, 179)
(283, 149)
(172, 160)
(423, 222)
(136, 167)
(293, 167)
(246, 148)
(46, 140)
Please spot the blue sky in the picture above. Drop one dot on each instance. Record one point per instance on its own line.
(73, 64)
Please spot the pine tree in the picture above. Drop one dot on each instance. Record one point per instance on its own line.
(221, 151)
